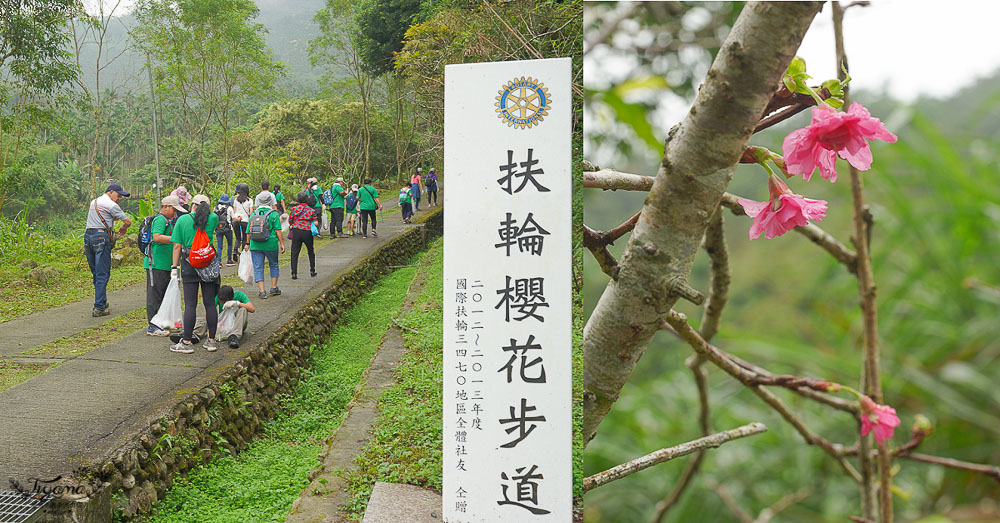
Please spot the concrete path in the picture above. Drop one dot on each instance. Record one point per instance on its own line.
(79, 410)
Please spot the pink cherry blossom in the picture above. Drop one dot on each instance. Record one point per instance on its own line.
(783, 212)
(831, 133)
(880, 418)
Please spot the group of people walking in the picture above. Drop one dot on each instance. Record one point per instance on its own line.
(177, 243)
(409, 194)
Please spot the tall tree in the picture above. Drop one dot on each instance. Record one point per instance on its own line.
(381, 26)
(34, 65)
(338, 47)
(209, 55)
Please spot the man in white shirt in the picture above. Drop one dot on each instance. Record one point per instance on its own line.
(103, 212)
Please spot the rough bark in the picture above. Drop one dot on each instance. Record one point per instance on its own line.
(698, 163)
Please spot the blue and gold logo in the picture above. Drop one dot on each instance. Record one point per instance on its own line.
(522, 103)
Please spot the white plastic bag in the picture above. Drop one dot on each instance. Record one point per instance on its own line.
(227, 320)
(245, 269)
(284, 224)
(169, 315)
(325, 221)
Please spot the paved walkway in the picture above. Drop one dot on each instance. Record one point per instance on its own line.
(79, 410)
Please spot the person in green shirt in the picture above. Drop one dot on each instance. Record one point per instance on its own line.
(313, 188)
(201, 218)
(337, 209)
(369, 203)
(279, 199)
(230, 329)
(160, 252)
(351, 209)
(266, 249)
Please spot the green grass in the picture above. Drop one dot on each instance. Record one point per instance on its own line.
(406, 444)
(262, 482)
(12, 373)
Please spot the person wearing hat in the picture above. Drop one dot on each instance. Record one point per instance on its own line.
(351, 209)
(431, 187)
(160, 259)
(224, 231)
(201, 218)
(337, 209)
(184, 196)
(415, 188)
(313, 189)
(267, 250)
(97, 244)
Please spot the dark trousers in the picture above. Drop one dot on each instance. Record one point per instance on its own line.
(209, 290)
(407, 210)
(300, 236)
(156, 288)
(337, 220)
(364, 221)
(228, 234)
(97, 247)
(239, 234)
(432, 196)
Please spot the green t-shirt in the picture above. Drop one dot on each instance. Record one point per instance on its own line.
(163, 253)
(184, 230)
(278, 197)
(318, 193)
(239, 296)
(338, 199)
(366, 197)
(273, 223)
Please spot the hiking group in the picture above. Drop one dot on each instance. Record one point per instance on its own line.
(180, 251)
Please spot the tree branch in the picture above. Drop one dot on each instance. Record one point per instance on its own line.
(669, 453)
(610, 179)
(679, 323)
(699, 157)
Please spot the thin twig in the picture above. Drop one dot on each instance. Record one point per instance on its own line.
(679, 323)
(605, 259)
(766, 515)
(989, 470)
(870, 377)
(612, 180)
(730, 502)
(669, 453)
(625, 11)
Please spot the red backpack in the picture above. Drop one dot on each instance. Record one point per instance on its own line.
(202, 253)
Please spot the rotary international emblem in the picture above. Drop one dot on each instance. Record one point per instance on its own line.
(522, 103)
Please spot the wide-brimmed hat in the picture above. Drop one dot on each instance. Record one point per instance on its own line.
(182, 194)
(225, 199)
(199, 199)
(312, 181)
(340, 178)
(432, 170)
(118, 189)
(354, 187)
(172, 201)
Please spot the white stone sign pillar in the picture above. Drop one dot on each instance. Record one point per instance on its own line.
(507, 284)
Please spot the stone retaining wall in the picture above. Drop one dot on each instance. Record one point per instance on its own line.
(235, 405)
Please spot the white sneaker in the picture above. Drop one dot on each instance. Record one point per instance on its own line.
(209, 345)
(183, 348)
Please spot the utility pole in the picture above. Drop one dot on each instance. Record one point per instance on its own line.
(156, 143)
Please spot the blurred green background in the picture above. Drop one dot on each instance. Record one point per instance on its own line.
(935, 197)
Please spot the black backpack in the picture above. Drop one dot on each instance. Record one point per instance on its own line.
(258, 228)
(145, 234)
(223, 214)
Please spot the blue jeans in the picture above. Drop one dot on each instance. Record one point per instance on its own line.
(229, 246)
(415, 192)
(258, 257)
(97, 247)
